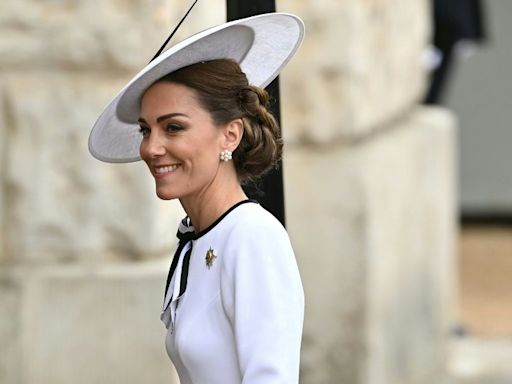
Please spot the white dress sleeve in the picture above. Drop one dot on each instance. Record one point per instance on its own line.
(262, 296)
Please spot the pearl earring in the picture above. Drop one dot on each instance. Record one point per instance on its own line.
(226, 155)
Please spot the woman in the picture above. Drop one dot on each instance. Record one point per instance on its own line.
(234, 304)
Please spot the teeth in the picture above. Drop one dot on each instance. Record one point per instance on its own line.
(166, 169)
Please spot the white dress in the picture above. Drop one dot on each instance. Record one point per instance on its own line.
(235, 305)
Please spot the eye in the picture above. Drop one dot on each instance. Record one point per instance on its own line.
(144, 131)
(173, 127)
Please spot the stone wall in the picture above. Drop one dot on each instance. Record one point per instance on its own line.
(374, 176)
(360, 67)
(84, 246)
(72, 323)
(60, 66)
(373, 227)
(81, 241)
(370, 186)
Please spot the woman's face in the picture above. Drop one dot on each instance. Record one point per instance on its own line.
(180, 143)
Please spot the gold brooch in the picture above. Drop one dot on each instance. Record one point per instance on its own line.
(210, 257)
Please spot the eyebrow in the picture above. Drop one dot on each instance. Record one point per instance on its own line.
(163, 117)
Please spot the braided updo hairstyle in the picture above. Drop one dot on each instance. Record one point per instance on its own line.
(223, 90)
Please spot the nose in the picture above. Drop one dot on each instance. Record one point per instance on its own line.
(152, 146)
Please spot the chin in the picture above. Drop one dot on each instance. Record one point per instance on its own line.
(165, 194)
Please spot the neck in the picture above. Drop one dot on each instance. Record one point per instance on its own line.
(208, 205)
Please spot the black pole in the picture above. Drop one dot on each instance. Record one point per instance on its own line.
(269, 190)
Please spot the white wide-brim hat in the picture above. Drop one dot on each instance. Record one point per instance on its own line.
(262, 45)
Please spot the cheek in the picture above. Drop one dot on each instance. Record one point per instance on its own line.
(203, 153)
(142, 151)
(203, 166)
(201, 162)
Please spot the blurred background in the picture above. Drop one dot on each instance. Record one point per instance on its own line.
(395, 116)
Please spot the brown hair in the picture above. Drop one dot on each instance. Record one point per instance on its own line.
(223, 90)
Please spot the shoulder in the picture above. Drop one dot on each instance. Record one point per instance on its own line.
(254, 236)
(258, 249)
(251, 219)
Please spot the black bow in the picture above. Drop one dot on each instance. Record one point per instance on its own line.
(184, 238)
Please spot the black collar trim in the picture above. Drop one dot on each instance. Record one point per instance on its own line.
(197, 235)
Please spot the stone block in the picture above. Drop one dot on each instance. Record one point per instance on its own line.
(360, 66)
(62, 204)
(10, 328)
(3, 145)
(104, 35)
(373, 225)
(84, 324)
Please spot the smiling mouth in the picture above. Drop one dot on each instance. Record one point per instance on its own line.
(160, 171)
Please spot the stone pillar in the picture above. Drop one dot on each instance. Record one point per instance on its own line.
(373, 228)
(3, 146)
(84, 245)
(369, 181)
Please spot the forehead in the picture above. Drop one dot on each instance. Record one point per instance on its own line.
(164, 97)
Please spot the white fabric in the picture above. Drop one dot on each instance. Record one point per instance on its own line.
(239, 321)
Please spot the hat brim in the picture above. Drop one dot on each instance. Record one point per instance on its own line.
(262, 45)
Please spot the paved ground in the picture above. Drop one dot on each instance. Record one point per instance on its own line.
(484, 356)
(481, 361)
(486, 281)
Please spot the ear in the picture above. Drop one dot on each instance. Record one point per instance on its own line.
(232, 134)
